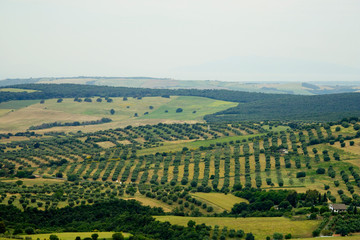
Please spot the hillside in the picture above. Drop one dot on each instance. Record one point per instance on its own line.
(187, 169)
(21, 115)
(253, 106)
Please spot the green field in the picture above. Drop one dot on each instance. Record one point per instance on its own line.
(73, 235)
(17, 104)
(194, 108)
(7, 107)
(260, 227)
(226, 202)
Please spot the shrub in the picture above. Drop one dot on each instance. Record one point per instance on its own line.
(300, 174)
(29, 230)
(320, 171)
(250, 236)
(288, 236)
(278, 236)
(54, 237)
(117, 236)
(179, 110)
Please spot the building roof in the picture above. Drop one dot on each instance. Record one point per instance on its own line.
(339, 206)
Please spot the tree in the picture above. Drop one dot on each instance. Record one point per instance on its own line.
(300, 174)
(99, 100)
(249, 236)
(59, 100)
(278, 236)
(42, 101)
(191, 223)
(112, 111)
(136, 115)
(17, 231)
(53, 237)
(320, 171)
(125, 99)
(2, 227)
(179, 110)
(29, 230)
(94, 236)
(72, 177)
(117, 236)
(19, 182)
(78, 238)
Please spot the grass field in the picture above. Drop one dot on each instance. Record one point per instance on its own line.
(17, 104)
(73, 235)
(20, 115)
(225, 202)
(194, 108)
(260, 227)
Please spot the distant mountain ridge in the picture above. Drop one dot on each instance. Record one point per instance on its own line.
(302, 88)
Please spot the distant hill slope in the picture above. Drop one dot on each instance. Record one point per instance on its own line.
(252, 106)
(318, 107)
(167, 83)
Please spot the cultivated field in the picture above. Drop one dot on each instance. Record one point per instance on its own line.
(73, 235)
(220, 200)
(260, 227)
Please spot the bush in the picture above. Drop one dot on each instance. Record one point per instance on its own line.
(352, 143)
(343, 144)
(54, 237)
(94, 236)
(29, 230)
(278, 236)
(179, 110)
(316, 233)
(117, 236)
(300, 174)
(320, 171)
(250, 236)
(288, 236)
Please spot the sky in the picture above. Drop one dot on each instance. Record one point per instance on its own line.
(228, 40)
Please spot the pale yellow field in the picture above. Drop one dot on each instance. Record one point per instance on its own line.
(73, 235)
(260, 227)
(16, 90)
(226, 202)
(36, 181)
(150, 202)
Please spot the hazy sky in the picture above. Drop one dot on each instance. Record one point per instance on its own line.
(237, 40)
